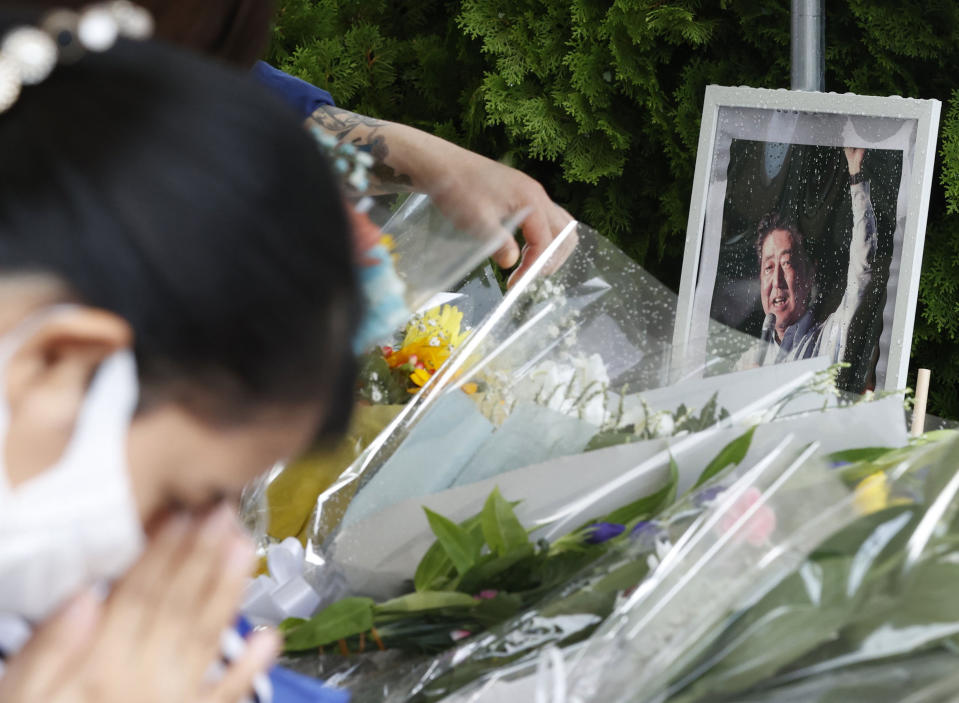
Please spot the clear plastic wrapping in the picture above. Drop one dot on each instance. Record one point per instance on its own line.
(874, 580)
(571, 611)
(569, 414)
(430, 252)
(557, 368)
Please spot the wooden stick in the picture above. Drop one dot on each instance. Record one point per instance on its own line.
(919, 408)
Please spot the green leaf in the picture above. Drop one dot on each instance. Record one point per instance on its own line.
(936, 436)
(706, 417)
(648, 506)
(290, 624)
(610, 438)
(488, 568)
(425, 600)
(492, 611)
(502, 530)
(343, 619)
(461, 546)
(731, 454)
(559, 568)
(435, 569)
(853, 456)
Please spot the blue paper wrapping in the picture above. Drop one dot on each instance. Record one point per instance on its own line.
(291, 687)
(287, 686)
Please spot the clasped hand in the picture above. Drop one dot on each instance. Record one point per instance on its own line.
(157, 634)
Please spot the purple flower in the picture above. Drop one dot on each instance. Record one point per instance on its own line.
(707, 496)
(839, 464)
(603, 532)
(645, 528)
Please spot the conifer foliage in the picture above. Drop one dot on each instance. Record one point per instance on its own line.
(601, 101)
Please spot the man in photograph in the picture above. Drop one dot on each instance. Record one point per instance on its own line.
(794, 328)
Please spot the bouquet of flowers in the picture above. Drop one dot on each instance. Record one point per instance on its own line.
(558, 367)
(879, 587)
(397, 348)
(485, 575)
(548, 445)
(861, 574)
(574, 361)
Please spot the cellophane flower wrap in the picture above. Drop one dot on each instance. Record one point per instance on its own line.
(564, 505)
(880, 588)
(554, 370)
(415, 265)
(712, 466)
(579, 587)
(639, 428)
(577, 357)
(856, 603)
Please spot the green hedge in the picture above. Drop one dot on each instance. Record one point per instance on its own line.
(601, 101)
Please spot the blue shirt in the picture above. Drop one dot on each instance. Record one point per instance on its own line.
(300, 95)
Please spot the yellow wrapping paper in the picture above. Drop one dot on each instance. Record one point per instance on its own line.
(291, 496)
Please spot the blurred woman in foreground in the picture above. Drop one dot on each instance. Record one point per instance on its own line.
(177, 302)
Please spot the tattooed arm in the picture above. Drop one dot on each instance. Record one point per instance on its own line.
(370, 134)
(470, 189)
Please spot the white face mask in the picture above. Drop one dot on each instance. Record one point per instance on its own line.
(75, 523)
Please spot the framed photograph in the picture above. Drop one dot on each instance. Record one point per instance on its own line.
(806, 229)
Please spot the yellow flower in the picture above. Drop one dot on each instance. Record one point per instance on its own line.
(441, 323)
(470, 388)
(420, 377)
(431, 357)
(430, 338)
(872, 494)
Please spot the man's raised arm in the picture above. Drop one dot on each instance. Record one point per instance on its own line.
(864, 241)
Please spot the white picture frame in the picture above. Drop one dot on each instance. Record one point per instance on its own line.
(822, 120)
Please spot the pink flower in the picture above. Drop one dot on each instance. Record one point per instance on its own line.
(759, 526)
(457, 635)
(488, 594)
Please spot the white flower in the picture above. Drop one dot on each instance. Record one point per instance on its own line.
(576, 387)
(376, 395)
(757, 418)
(661, 425)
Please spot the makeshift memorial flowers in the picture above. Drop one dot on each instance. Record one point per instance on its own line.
(484, 570)
(389, 378)
(571, 408)
(820, 604)
(574, 385)
(877, 587)
(557, 368)
(422, 254)
(614, 565)
(391, 374)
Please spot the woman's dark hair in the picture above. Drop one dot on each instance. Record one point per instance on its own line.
(236, 31)
(183, 197)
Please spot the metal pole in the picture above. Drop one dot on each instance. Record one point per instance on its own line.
(808, 45)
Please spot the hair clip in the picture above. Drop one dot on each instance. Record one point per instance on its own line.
(29, 54)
